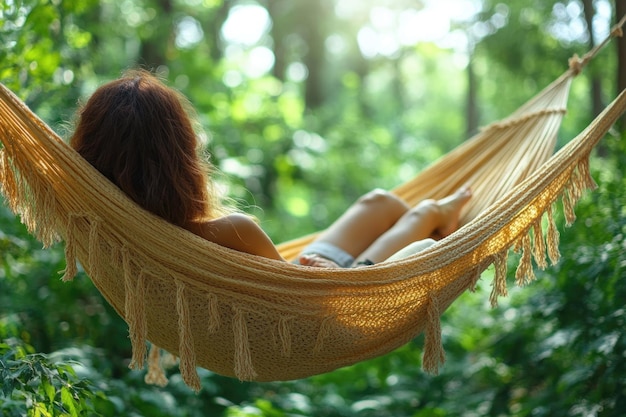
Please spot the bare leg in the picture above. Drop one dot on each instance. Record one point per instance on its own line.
(365, 221)
(429, 218)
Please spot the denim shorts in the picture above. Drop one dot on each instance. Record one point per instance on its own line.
(330, 252)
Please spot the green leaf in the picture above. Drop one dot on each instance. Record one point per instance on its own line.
(68, 401)
(48, 390)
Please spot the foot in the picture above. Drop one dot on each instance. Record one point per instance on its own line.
(450, 211)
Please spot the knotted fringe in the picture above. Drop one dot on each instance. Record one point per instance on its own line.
(187, 352)
(46, 215)
(94, 247)
(94, 255)
(434, 355)
(586, 180)
(568, 206)
(539, 245)
(29, 195)
(499, 279)
(474, 277)
(243, 357)
(134, 307)
(6, 177)
(214, 321)
(284, 334)
(324, 331)
(8, 182)
(579, 181)
(524, 273)
(156, 374)
(552, 238)
(70, 250)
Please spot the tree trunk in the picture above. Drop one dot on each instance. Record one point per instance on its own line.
(596, 83)
(213, 27)
(313, 32)
(620, 11)
(471, 110)
(278, 11)
(153, 52)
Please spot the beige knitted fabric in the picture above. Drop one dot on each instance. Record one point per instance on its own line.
(259, 319)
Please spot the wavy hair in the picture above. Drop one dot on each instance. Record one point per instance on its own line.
(139, 134)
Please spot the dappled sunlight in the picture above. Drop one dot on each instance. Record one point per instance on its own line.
(246, 24)
(380, 31)
(393, 83)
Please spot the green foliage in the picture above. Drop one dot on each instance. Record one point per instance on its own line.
(32, 385)
(553, 348)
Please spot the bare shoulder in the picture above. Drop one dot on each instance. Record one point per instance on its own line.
(223, 228)
(237, 231)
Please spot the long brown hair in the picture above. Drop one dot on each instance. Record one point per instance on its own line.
(139, 134)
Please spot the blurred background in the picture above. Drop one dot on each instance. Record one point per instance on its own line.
(306, 105)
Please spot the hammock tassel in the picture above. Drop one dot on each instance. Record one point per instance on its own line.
(134, 308)
(70, 251)
(434, 355)
(42, 212)
(524, 273)
(284, 334)
(243, 357)
(8, 183)
(585, 173)
(6, 179)
(156, 374)
(186, 345)
(94, 250)
(539, 246)
(473, 280)
(552, 238)
(568, 206)
(214, 313)
(580, 180)
(324, 331)
(499, 280)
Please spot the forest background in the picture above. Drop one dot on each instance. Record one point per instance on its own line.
(306, 105)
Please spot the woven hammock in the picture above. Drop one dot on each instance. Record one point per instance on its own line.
(259, 319)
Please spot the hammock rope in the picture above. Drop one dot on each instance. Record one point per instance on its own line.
(260, 319)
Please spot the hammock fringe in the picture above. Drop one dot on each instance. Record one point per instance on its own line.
(213, 322)
(434, 355)
(156, 373)
(244, 370)
(29, 197)
(70, 250)
(324, 331)
(533, 242)
(136, 317)
(539, 245)
(524, 273)
(499, 287)
(284, 334)
(186, 341)
(95, 254)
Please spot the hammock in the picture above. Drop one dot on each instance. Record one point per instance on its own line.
(259, 319)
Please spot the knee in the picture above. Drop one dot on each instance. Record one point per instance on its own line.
(424, 208)
(383, 200)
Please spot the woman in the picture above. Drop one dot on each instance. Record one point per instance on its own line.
(138, 133)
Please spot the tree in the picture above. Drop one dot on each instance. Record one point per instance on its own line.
(620, 11)
(534, 355)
